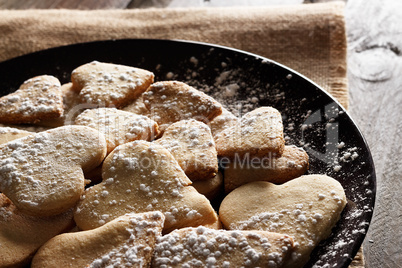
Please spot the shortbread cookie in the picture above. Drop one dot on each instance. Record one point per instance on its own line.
(72, 103)
(192, 145)
(291, 164)
(29, 128)
(72, 107)
(137, 107)
(118, 126)
(43, 173)
(110, 85)
(258, 133)
(37, 99)
(222, 122)
(140, 176)
(306, 208)
(21, 235)
(8, 134)
(203, 247)
(210, 188)
(127, 241)
(172, 101)
(215, 225)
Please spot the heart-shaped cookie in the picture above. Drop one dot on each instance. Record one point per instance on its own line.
(43, 173)
(110, 85)
(172, 101)
(222, 121)
(30, 128)
(258, 133)
(37, 99)
(9, 133)
(127, 241)
(72, 107)
(137, 107)
(291, 164)
(211, 188)
(306, 208)
(203, 247)
(192, 145)
(140, 176)
(118, 126)
(21, 235)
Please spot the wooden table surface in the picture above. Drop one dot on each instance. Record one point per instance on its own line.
(375, 83)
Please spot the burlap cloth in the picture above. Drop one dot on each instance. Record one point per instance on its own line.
(308, 38)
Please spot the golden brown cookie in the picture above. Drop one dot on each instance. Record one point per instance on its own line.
(203, 247)
(37, 99)
(118, 126)
(26, 127)
(172, 101)
(258, 133)
(110, 85)
(71, 103)
(127, 241)
(215, 225)
(43, 173)
(140, 176)
(211, 188)
(291, 164)
(222, 121)
(306, 208)
(21, 235)
(72, 107)
(137, 107)
(8, 134)
(192, 145)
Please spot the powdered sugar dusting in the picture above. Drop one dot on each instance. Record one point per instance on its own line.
(203, 247)
(143, 230)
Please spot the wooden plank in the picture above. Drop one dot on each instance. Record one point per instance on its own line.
(375, 68)
(321, 1)
(208, 3)
(70, 4)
